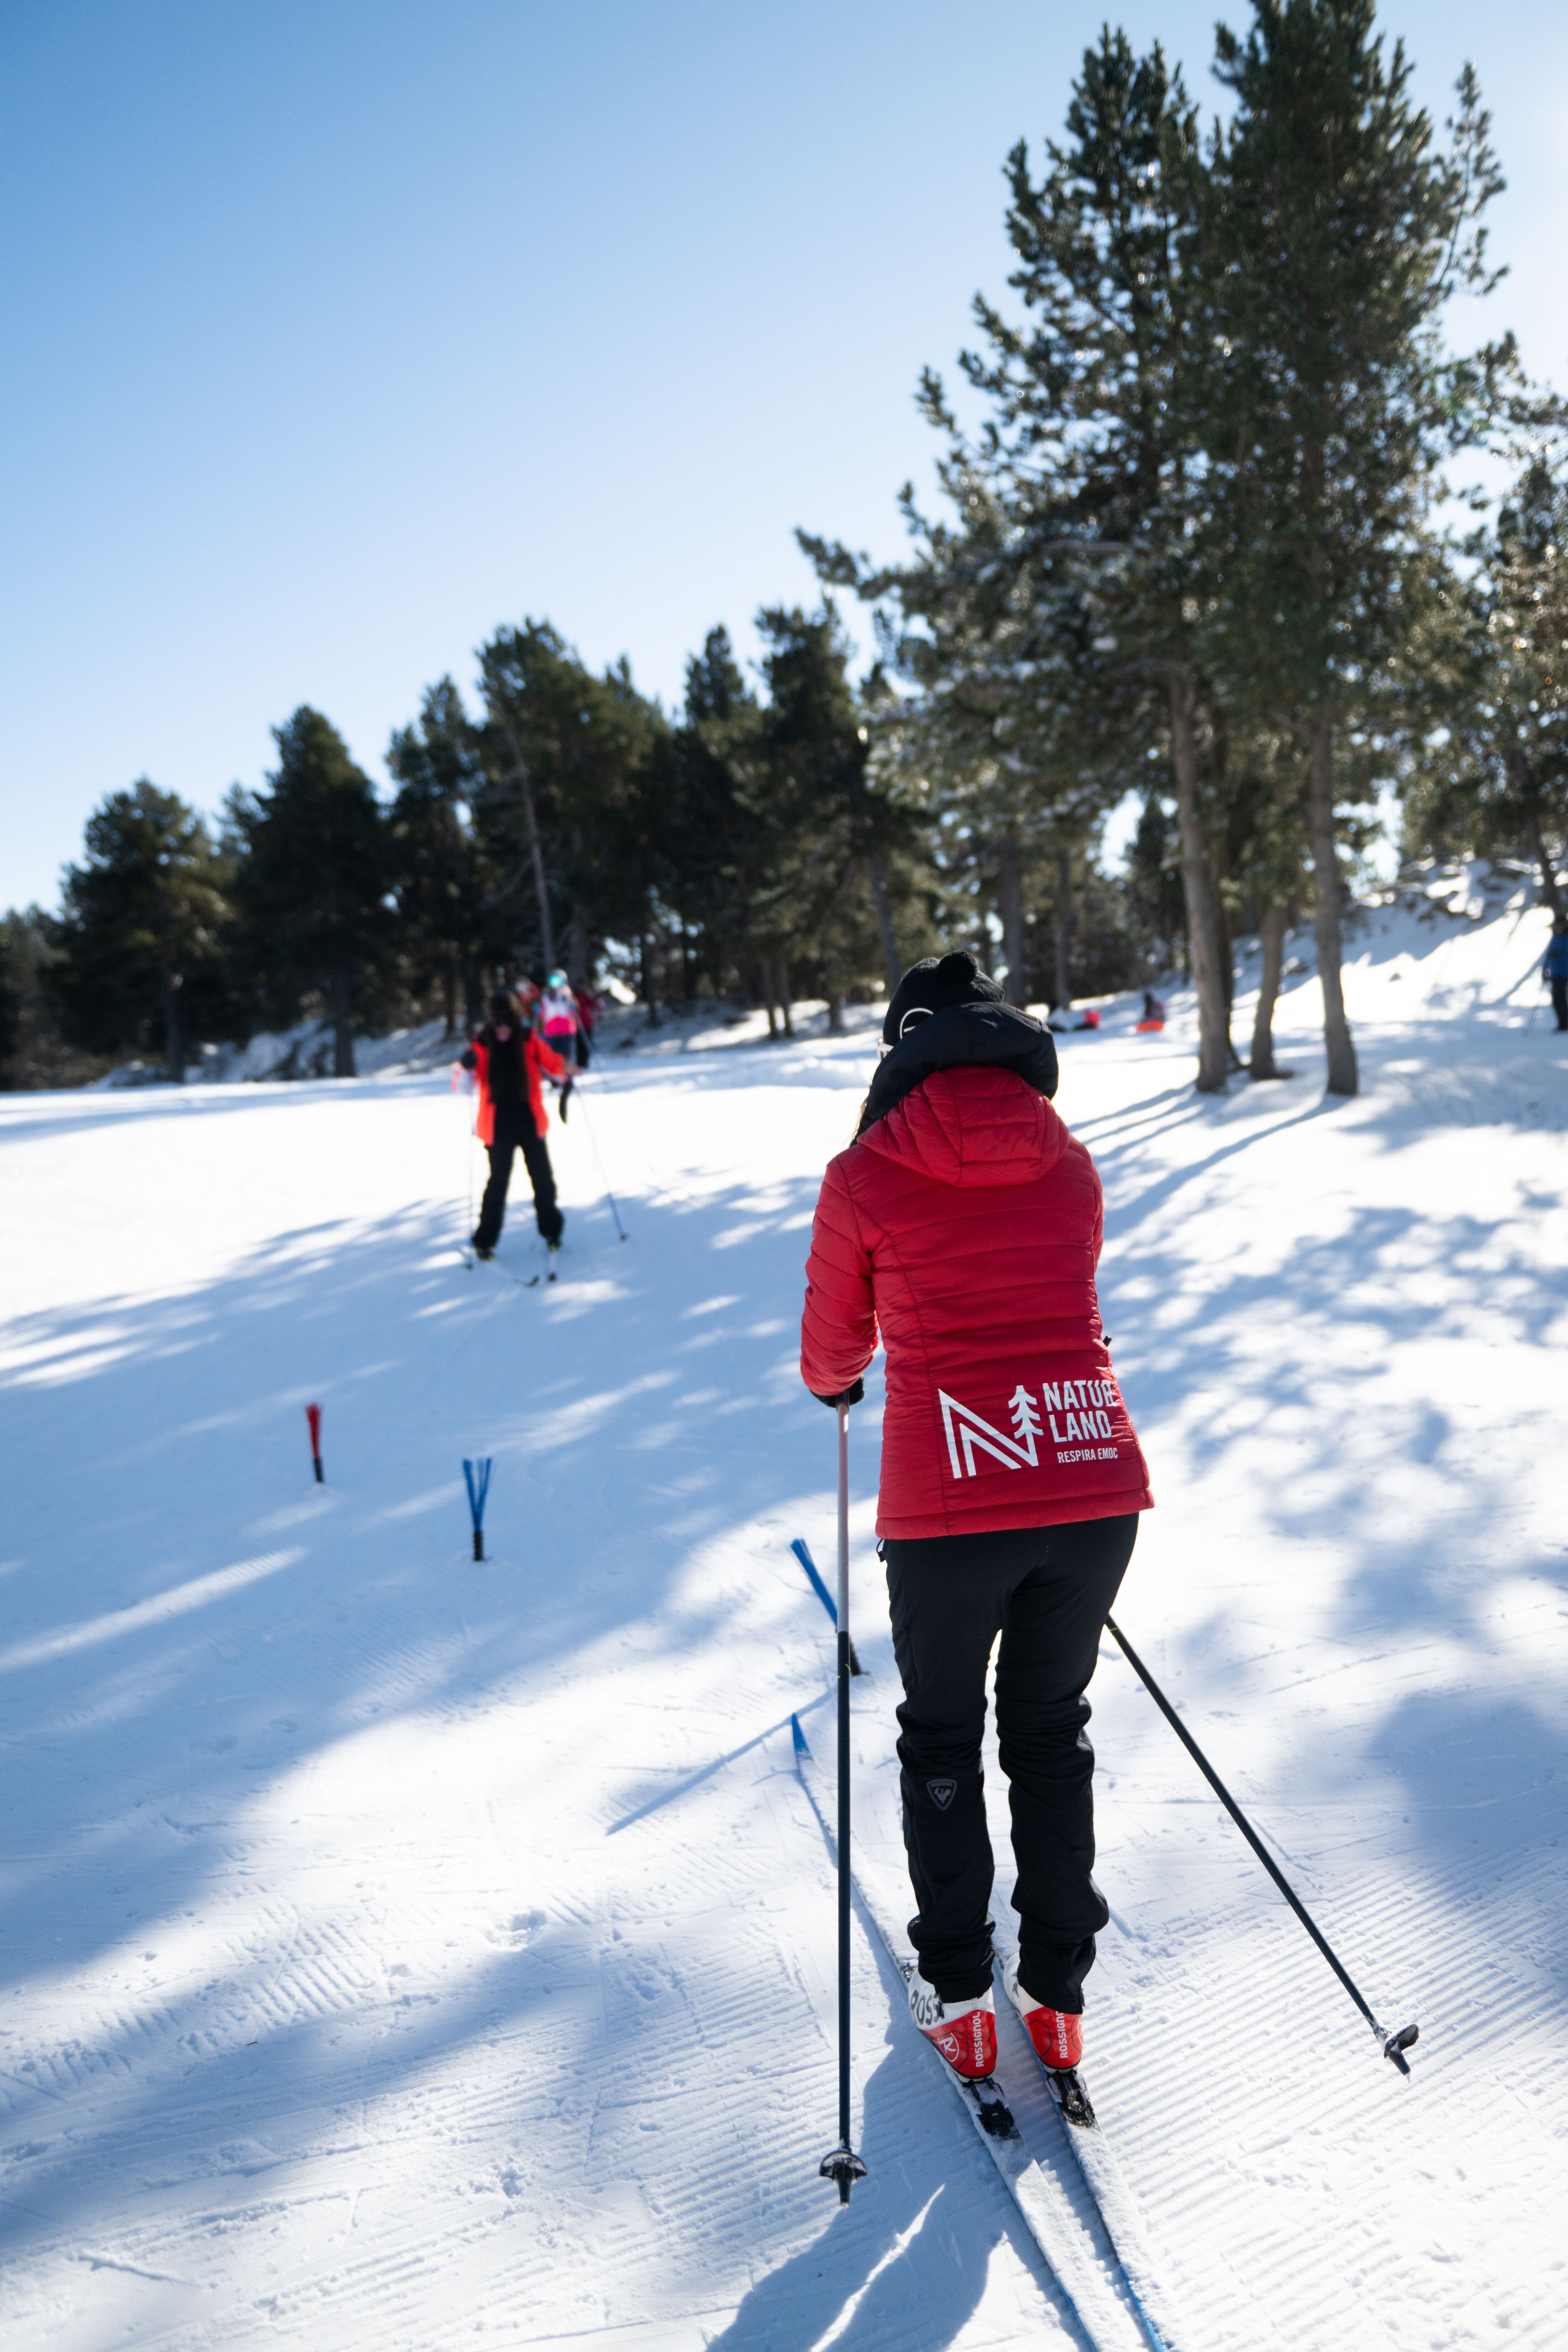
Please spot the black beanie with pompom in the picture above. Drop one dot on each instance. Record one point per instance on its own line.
(931, 985)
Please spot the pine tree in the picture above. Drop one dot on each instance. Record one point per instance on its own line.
(709, 853)
(1507, 750)
(1070, 607)
(137, 948)
(565, 754)
(39, 1055)
(11, 1003)
(435, 858)
(821, 829)
(1338, 233)
(311, 882)
(1099, 395)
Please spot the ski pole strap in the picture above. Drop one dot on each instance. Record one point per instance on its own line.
(1242, 1823)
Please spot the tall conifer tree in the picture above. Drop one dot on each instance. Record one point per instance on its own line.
(310, 881)
(138, 945)
(1339, 231)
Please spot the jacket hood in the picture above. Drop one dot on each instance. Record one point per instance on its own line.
(963, 1036)
(973, 1110)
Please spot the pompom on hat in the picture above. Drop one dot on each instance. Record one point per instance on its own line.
(930, 986)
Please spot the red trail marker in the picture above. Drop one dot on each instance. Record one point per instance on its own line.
(314, 1415)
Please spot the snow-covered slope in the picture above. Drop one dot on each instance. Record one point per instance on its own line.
(401, 1952)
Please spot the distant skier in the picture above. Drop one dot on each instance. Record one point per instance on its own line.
(589, 1006)
(562, 1020)
(1153, 1012)
(963, 1223)
(562, 1025)
(1554, 970)
(509, 1061)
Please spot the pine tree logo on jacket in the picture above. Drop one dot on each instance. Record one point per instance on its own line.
(1074, 1410)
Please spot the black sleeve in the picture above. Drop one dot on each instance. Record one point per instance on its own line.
(468, 1060)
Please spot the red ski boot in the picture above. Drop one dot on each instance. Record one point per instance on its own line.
(1056, 2033)
(963, 2030)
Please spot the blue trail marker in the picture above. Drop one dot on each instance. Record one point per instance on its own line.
(477, 1475)
(823, 1595)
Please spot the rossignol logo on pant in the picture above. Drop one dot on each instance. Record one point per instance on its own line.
(1080, 1405)
(941, 1793)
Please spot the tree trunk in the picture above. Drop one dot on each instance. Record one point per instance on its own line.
(576, 950)
(782, 973)
(891, 967)
(343, 1031)
(449, 997)
(169, 982)
(1551, 895)
(834, 1012)
(530, 826)
(1336, 1045)
(1271, 931)
(1010, 907)
(1197, 886)
(1227, 975)
(1064, 927)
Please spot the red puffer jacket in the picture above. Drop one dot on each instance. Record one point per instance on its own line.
(967, 1224)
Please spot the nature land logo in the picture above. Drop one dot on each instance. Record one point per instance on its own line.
(1082, 1407)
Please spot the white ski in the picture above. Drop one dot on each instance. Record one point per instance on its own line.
(1087, 2276)
(1103, 2176)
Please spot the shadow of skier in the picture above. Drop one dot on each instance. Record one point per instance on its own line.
(904, 2264)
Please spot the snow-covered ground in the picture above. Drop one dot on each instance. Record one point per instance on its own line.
(401, 1952)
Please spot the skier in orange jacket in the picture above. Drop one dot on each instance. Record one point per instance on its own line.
(511, 1061)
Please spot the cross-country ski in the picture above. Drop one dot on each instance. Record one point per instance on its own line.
(1085, 2265)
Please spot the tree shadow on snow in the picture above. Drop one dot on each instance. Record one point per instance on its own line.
(193, 1626)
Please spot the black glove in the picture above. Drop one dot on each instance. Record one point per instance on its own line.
(846, 1396)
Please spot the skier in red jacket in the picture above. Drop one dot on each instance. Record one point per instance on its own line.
(511, 1118)
(964, 1223)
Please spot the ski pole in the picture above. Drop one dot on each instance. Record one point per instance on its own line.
(842, 2164)
(467, 1163)
(314, 1415)
(1394, 2045)
(593, 1139)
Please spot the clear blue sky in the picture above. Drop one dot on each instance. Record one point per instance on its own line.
(338, 334)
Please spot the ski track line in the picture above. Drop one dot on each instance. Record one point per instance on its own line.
(776, 2155)
(1230, 2316)
(1321, 2109)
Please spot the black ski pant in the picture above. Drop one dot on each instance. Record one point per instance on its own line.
(1047, 1591)
(515, 1131)
(1560, 1001)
